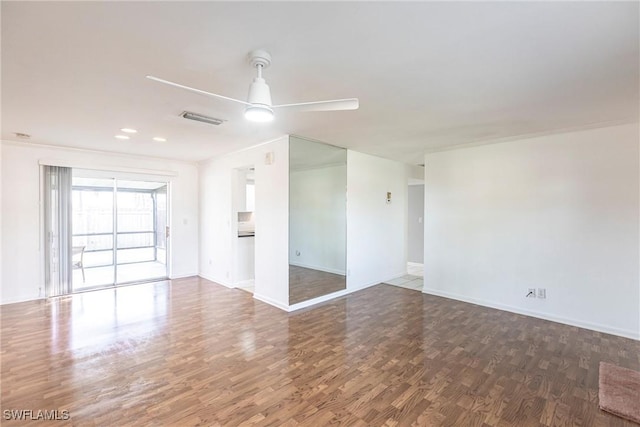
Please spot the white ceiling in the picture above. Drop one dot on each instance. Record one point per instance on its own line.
(428, 75)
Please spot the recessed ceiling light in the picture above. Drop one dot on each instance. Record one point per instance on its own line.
(122, 137)
(159, 139)
(128, 130)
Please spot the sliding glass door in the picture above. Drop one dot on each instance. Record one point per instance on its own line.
(140, 221)
(119, 232)
(93, 225)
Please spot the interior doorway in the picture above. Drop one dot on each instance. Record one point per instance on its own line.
(414, 279)
(120, 232)
(244, 208)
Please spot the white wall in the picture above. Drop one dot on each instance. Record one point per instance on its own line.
(415, 243)
(23, 258)
(318, 218)
(559, 212)
(1, 225)
(218, 227)
(376, 231)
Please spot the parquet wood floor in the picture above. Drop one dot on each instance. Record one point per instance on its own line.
(306, 284)
(190, 352)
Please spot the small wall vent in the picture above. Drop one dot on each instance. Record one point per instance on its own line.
(200, 118)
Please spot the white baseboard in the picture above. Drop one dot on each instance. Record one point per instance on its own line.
(626, 333)
(213, 279)
(182, 276)
(415, 264)
(243, 283)
(21, 299)
(318, 300)
(271, 301)
(330, 296)
(315, 267)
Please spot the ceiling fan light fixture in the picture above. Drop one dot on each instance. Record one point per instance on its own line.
(258, 106)
(258, 113)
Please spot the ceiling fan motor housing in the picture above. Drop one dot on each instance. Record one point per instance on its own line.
(259, 93)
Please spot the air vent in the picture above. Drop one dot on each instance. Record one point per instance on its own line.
(200, 118)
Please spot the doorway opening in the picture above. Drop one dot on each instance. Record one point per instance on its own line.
(244, 235)
(120, 231)
(414, 279)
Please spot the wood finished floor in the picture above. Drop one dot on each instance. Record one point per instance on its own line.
(306, 284)
(192, 352)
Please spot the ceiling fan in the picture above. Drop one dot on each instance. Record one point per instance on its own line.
(258, 106)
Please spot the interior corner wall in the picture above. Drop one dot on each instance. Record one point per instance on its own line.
(23, 258)
(376, 230)
(559, 212)
(218, 235)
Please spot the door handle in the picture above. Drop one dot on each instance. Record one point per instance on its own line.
(166, 231)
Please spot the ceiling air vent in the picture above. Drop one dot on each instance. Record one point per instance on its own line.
(200, 118)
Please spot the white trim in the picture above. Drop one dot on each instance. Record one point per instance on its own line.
(216, 281)
(331, 296)
(91, 150)
(626, 333)
(315, 267)
(23, 299)
(416, 264)
(379, 282)
(531, 135)
(83, 165)
(244, 283)
(182, 276)
(271, 301)
(318, 300)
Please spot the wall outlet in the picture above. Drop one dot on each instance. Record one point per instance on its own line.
(531, 293)
(542, 293)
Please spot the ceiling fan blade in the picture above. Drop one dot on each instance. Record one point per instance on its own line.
(333, 105)
(201, 92)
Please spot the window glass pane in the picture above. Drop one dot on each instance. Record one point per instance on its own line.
(98, 259)
(92, 206)
(135, 240)
(135, 255)
(135, 211)
(94, 242)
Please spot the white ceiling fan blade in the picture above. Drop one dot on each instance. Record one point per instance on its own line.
(333, 105)
(201, 92)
